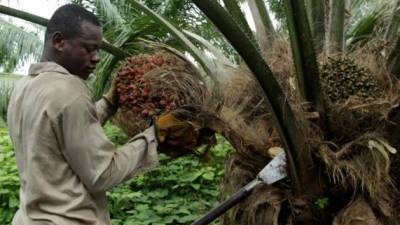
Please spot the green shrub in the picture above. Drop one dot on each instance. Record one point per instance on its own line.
(9, 181)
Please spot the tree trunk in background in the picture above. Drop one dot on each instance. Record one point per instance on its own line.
(335, 40)
(316, 15)
(265, 31)
(236, 12)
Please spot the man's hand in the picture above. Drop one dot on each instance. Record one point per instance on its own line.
(112, 96)
(178, 133)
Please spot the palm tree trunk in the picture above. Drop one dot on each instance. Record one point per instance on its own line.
(316, 15)
(335, 42)
(265, 31)
(119, 53)
(281, 111)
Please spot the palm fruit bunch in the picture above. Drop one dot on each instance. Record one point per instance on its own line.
(342, 78)
(135, 89)
(151, 84)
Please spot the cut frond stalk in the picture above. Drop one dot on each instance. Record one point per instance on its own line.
(335, 41)
(316, 12)
(304, 56)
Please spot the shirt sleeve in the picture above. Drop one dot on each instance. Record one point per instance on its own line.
(104, 110)
(93, 157)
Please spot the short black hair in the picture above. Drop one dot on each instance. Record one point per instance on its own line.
(68, 19)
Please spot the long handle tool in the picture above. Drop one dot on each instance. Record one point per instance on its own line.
(274, 171)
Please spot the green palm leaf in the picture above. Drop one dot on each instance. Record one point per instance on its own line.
(110, 12)
(364, 28)
(17, 46)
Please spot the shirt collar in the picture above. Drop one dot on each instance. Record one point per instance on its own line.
(43, 67)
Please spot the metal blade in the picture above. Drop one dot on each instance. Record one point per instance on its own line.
(275, 170)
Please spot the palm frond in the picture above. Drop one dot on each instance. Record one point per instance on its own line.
(223, 67)
(179, 35)
(109, 12)
(367, 18)
(210, 47)
(17, 45)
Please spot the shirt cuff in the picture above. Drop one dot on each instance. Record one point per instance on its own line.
(151, 158)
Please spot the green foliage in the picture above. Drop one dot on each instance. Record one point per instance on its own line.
(115, 135)
(175, 192)
(17, 45)
(322, 202)
(9, 182)
(278, 9)
(7, 83)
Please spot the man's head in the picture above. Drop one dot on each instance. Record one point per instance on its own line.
(72, 39)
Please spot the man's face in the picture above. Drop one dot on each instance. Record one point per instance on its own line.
(79, 54)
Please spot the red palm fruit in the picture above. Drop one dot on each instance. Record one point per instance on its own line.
(145, 112)
(146, 91)
(147, 67)
(137, 60)
(159, 61)
(122, 99)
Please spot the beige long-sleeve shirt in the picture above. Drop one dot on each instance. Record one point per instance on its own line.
(65, 162)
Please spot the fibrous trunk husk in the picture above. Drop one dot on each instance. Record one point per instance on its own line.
(357, 158)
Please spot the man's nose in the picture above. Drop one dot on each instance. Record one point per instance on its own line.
(96, 57)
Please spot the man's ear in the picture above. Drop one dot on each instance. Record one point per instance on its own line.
(58, 41)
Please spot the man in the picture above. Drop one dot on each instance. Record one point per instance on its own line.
(65, 162)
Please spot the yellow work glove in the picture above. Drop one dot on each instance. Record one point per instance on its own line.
(178, 133)
(112, 95)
